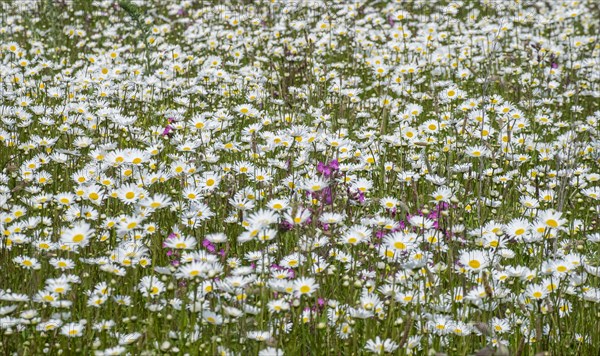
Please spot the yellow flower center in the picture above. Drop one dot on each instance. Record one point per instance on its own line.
(474, 264)
(399, 245)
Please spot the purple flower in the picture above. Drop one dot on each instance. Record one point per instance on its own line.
(285, 225)
(335, 165)
(329, 169)
(210, 247)
(361, 197)
(327, 195)
(276, 267)
(321, 167)
(291, 273)
(401, 226)
(167, 131)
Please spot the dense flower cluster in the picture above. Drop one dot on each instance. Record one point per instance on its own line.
(306, 177)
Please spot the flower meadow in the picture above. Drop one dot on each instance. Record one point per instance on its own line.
(300, 178)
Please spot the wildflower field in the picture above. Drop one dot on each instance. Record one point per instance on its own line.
(299, 177)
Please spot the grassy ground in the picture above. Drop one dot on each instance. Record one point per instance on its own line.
(307, 178)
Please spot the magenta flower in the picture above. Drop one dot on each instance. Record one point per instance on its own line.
(210, 247)
(168, 130)
(390, 21)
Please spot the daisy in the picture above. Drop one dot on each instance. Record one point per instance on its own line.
(58, 285)
(517, 228)
(399, 242)
(45, 297)
(123, 300)
(561, 268)
(49, 325)
(94, 194)
(593, 192)
(440, 324)
(79, 235)
(389, 202)
(180, 242)
(356, 235)
(64, 199)
(240, 202)
(474, 261)
(278, 204)
(193, 270)
(379, 346)
(314, 184)
(442, 194)
(128, 339)
(259, 335)
(266, 234)
(209, 181)
(278, 305)
(62, 263)
(129, 193)
(362, 185)
(271, 351)
(129, 223)
(451, 93)
(552, 219)
(298, 218)
(191, 193)
(477, 151)
(535, 291)
(421, 222)
(72, 330)
(104, 325)
(216, 237)
(305, 286)
(262, 218)
(150, 286)
(331, 218)
(529, 202)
